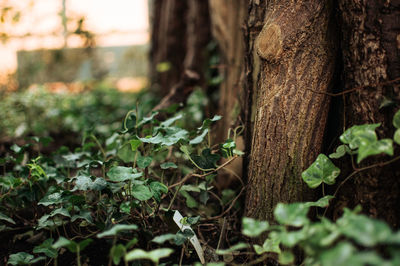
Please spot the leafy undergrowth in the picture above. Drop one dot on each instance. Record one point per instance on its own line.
(113, 200)
(145, 193)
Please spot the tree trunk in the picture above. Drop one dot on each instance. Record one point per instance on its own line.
(371, 58)
(180, 34)
(291, 59)
(228, 18)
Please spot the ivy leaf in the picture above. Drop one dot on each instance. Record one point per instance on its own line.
(286, 257)
(6, 218)
(126, 154)
(116, 229)
(270, 245)
(63, 242)
(84, 215)
(359, 135)
(143, 161)
(117, 252)
(252, 227)
(82, 183)
(135, 143)
(322, 202)
(396, 120)
(207, 160)
(158, 188)
(293, 214)
(98, 184)
(396, 136)
(141, 192)
(207, 122)
(364, 230)
(60, 211)
(199, 138)
(154, 255)
(340, 152)
(162, 238)
(322, 170)
(233, 248)
(170, 121)
(190, 201)
(23, 258)
(121, 173)
(374, 148)
(46, 248)
(168, 165)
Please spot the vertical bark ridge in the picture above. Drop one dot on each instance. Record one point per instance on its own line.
(371, 56)
(297, 54)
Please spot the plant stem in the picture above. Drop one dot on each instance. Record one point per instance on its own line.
(78, 256)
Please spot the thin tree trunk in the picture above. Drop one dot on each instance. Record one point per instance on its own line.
(371, 57)
(180, 34)
(295, 54)
(168, 45)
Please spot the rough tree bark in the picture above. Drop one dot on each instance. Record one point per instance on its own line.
(228, 18)
(180, 33)
(371, 59)
(295, 53)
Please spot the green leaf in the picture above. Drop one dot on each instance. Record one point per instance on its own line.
(116, 229)
(340, 152)
(190, 201)
(359, 135)
(63, 242)
(82, 183)
(233, 248)
(292, 238)
(84, 243)
(322, 170)
(172, 136)
(168, 165)
(158, 188)
(322, 202)
(199, 138)
(171, 120)
(207, 160)
(84, 215)
(182, 237)
(125, 207)
(117, 252)
(135, 143)
(193, 220)
(46, 248)
(6, 218)
(126, 154)
(60, 211)
(98, 184)
(23, 258)
(143, 161)
(252, 227)
(141, 192)
(208, 122)
(162, 238)
(293, 214)
(270, 245)
(364, 230)
(178, 239)
(286, 257)
(396, 136)
(121, 173)
(374, 148)
(154, 255)
(54, 198)
(396, 120)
